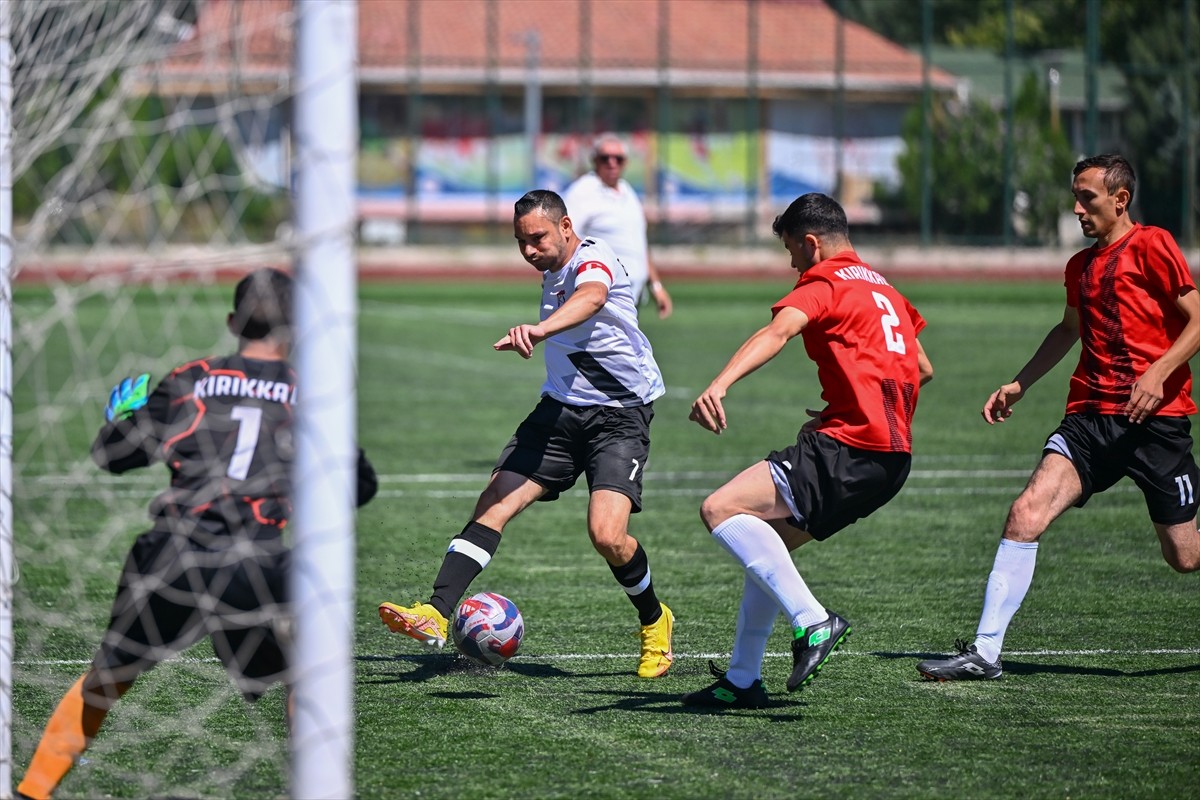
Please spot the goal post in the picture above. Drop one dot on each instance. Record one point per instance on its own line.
(326, 125)
(6, 405)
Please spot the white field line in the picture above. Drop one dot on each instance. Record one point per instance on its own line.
(91, 478)
(468, 494)
(146, 485)
(712, 479)
(455, 494)
(1185, 651)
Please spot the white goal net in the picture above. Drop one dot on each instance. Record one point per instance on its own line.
(148, 164)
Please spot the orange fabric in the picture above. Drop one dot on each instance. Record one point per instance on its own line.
(71, 728)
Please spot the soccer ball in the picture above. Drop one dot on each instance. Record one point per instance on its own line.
(488, 628)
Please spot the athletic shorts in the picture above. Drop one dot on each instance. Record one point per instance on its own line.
(1156, 454)
(174, 591)
(557, 443)
(829, 485)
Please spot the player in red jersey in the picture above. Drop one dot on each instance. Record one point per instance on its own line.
(1132, 302)
(846, 463)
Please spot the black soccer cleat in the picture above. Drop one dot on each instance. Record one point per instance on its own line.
(724, 694)
(812, 650)
(968, 665)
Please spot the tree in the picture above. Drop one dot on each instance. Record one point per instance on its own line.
(1037, 24)
(137, 168)
(968, 161)
(1145, 39)
(1163, 117)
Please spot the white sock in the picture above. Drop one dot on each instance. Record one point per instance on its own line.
(758, 548)
(1011, 575)
(756, 618)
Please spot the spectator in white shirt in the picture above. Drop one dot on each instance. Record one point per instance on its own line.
(603, 204)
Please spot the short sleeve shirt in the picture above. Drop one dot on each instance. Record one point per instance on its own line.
(606, 360)
(1126, 294)
(862, 334)
(614, 215)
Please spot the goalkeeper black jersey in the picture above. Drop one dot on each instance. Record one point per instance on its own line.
(223, 427)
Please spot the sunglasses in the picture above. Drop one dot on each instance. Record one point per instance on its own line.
(603, 157)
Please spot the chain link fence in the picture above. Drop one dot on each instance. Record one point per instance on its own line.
(932, 121)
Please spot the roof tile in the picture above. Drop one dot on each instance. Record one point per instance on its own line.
(793, 38)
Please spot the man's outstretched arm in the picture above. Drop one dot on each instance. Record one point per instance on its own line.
(760, 348)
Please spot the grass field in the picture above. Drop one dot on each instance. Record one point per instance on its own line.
(1101, 696)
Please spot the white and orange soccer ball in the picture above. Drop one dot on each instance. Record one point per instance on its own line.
(488, 628)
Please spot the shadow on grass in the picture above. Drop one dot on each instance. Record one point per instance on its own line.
(1025, 668)
(1030, 668)
(428, 666)
(668, 703)
(432, 665)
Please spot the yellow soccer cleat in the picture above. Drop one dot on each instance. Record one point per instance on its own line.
(657, 654)
(421, 621)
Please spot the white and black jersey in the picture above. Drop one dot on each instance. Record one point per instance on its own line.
(606, 360)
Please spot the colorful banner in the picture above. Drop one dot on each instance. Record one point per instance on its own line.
(692, 169)
(705, 167)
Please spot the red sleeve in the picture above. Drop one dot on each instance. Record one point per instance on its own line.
(1166, 267)
(918, 322)
(812, 297)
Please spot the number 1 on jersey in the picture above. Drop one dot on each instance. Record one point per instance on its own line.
(249, 420)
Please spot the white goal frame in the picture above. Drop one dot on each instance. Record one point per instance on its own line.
(326, 143)
(7, 266)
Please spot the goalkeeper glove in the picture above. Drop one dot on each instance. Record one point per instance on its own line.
(127, 396)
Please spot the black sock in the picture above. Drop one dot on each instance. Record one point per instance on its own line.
(632, 576)
(468, 554)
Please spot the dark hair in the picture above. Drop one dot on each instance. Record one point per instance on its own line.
(813, 213)
(262, 304)
(1118, 174)
(544, 200)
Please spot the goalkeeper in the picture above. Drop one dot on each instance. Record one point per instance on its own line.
(214, 563)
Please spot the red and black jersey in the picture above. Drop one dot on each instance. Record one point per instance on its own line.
(862, 334)
(1126, 297)
(223, 427)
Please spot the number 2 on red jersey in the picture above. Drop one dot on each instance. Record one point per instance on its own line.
(890, 320)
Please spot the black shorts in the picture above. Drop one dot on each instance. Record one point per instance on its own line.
(173, 592)
(1156, 454)
(833, 484)
(557, 443)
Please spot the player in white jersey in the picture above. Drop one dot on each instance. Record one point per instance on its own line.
(603, 205)
(605, 360)
(593, 419)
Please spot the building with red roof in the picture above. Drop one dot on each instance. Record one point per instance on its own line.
(729, 107)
